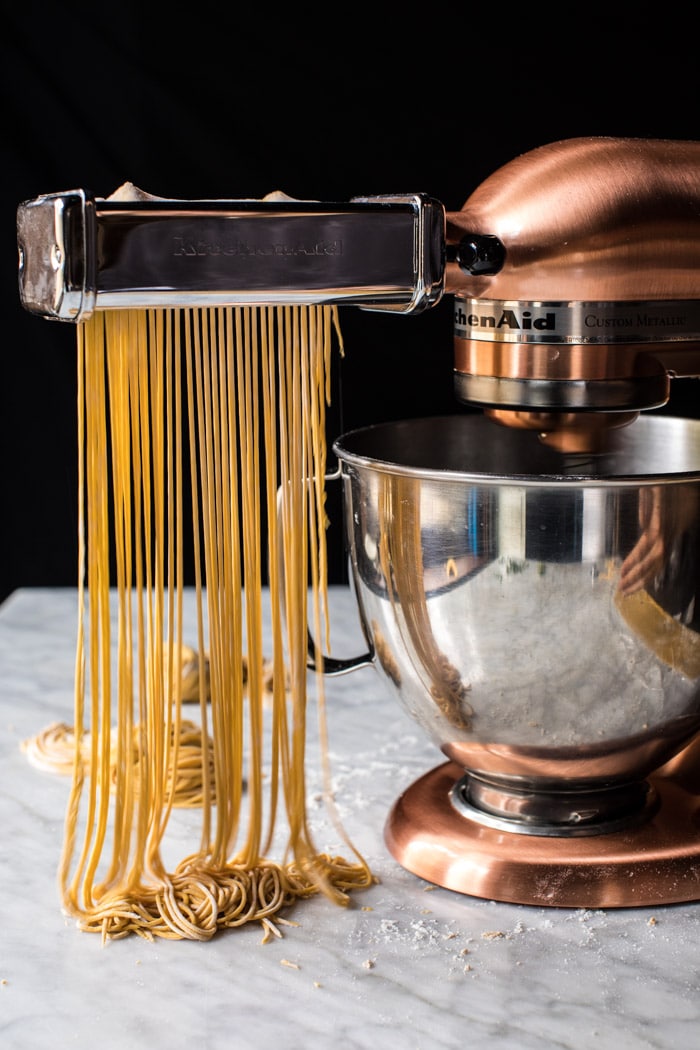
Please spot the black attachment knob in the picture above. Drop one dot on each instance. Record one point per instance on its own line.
(478, 254)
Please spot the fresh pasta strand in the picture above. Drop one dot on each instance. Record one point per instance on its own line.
(216, 410)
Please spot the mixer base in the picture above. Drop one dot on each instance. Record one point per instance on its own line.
(655, 863)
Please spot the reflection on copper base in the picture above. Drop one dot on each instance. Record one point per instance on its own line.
(655, 863)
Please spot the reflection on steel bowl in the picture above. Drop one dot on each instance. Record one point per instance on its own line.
(535, 613)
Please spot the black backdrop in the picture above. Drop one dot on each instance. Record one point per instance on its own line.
(323, 103)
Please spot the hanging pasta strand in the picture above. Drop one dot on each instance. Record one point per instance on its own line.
(224, 407)
(189, 320)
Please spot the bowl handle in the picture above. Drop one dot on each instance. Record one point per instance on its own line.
(333, 667)
(329, 665)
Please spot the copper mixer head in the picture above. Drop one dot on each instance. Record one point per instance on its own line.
(595, 305)
(574, 271)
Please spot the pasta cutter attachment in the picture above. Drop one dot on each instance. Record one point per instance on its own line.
(79, 253)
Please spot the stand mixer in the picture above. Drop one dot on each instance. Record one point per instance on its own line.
(548, 532)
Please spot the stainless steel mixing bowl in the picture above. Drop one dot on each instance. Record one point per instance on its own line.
(537, 614)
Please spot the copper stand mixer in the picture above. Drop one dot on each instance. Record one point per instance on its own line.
(575, 275)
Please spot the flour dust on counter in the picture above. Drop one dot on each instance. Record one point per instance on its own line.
(405, 964)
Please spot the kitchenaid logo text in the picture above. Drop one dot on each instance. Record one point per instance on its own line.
(575, 321)
(509, 319)
(247, 250)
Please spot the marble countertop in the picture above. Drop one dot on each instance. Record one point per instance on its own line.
(406, 966)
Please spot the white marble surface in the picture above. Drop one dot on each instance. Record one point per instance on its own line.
(389, 972)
